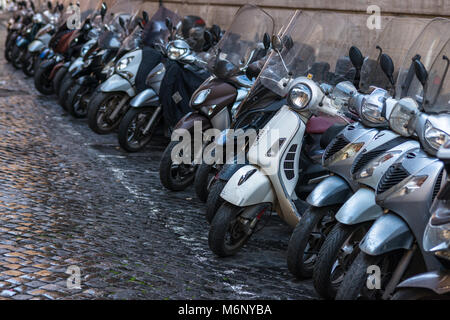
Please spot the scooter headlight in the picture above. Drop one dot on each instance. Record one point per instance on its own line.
(201, 97)
(123, 63)
(434, 137)
(372, 112)
(403, 116)
(175, 53)
(299, 96)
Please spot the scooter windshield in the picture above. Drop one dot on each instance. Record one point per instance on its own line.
(437, 88)
(395, 39)
(316, 46)
(242, 42)
(427, 46)
(155, 30)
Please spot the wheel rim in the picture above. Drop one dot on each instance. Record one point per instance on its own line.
(135, 133)
(105, 111)
(180, 173)
(236, 233)
(316, 240)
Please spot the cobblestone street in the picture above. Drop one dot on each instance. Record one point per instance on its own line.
(69, 197)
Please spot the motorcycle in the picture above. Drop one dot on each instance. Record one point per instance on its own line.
(407, 189)
(215, 102)
(303, 73)
(21, 18)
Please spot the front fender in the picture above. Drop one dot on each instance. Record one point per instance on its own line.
(247, 187)
(359, 208)
(437, 281)
(76, 65)
(147, 98)
(388, 233)
(22, 42)
(330, 191)
(117, 83)
(35, 46)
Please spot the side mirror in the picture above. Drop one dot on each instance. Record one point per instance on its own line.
(145, 16)
(356, 57)
(216, 31)
(287, 42)
(49, 5)
(266, 41)
(141, 24)
(169, 24)
(387, 65)
(122, 23)
(103, 10)
(61, 7)
(421, 71)
(32, 6)
(277, 44)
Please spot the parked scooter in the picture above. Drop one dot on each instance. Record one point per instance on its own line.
(269, 181)
(215, 102)
(21, 19)
(406, 190)
(434, 284)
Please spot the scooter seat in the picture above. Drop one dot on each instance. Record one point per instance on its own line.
(320, 124)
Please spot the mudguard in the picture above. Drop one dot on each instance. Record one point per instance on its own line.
(247, 187)
(437, 281)
(330, 191)
(76, 65)
(359, 208)
(388, 233)
(87, 81)
(147, 98)
(50, 63)
(21, 42)
(117, 83)
(187, 122)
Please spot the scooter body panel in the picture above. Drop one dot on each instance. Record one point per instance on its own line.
(189, 119)
(76, 65)
(117, 83)
(361, 207)
(248, 186)
(147, 98)
(388, 233)
(332, 190)
(437, 281)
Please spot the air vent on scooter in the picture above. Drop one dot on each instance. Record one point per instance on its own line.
(336, 145)
(364, 158)
(393, 176)
(437, 186)
(288, 164)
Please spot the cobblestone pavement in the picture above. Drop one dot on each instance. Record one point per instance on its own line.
(69, 197)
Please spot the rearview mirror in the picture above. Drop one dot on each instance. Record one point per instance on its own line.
(49, 5)
(287, 42)
(141, 24)
(145, 16)
(421, 72)
(122, 23)
(356, 57)
(103, 10)
(387, 65)
(216, 31)
(266, 41)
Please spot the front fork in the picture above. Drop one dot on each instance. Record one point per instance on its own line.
(118, 108)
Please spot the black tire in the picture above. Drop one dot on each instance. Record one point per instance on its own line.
(74, 101)
(9, 47)
(137, 118)
(28, 65)
(330, 252)
(355, 280)
(418, 294)
(223, 222)
(214, 200)
(42, 82)
(66, 83)
(58, 79)
(16, 57)
(170, 176)
(95, 112)
(299, 263)
(203, 181)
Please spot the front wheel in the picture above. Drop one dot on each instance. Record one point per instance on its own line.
(77, 101)
(175, 177)
(137, 127)
(204, 179)
(229, 231)
(42, 80)
(214, 200)
(335, 257)
(16, 56)
(101, 108)
(28, 65)
(58, 80)
(307, 239)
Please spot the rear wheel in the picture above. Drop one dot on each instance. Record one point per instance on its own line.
(137, 127)
(41, 80)
(229, 231)
(307, 239)
(100, 109)
(175, 177)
